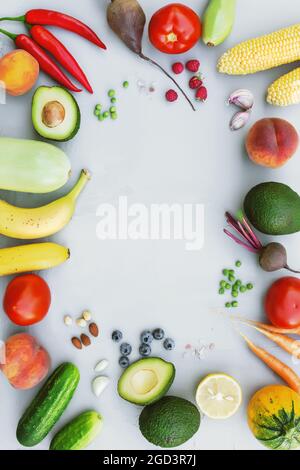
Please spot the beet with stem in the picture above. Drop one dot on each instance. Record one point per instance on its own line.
(127, 19)
(272, 256)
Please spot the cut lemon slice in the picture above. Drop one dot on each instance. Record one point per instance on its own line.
(219, 396)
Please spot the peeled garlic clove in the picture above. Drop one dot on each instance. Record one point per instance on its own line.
(101, 365)
(239, 120)
(242, 98)
(99, 384)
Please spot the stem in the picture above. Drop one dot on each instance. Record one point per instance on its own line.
(142, 56)
(13, 18)
(251, 232)
(292, 270)
(8, 34)
(240, 242)
(82, 181)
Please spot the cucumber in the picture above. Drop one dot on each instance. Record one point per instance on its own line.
(48, 405)
(78, 433)
(32, 166)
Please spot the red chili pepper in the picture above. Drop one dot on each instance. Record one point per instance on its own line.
(55, 18)
(46, 63)
(49, 42)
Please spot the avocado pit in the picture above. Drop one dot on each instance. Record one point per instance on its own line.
(53, 114)
(143, 381)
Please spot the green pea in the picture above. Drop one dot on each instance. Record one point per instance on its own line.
(223, 283)
(97, 112)
(231, 278)
(100, 117)
(234, 303)
(221, 291)
(112, 109)
(231, 271)
(238, 263)
(225, 272)
(114, 116)
(249, 286)
(111, 93)
(238, 282)
(105, 114)
(113, 100)
(228, 305)
(234, 294)
(125, 84)
(243, 289)
(227, 286)
(98, 107)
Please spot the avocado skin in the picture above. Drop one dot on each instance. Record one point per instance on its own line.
(273, 208)
(169, 422)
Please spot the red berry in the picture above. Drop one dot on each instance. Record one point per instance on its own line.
(177, 68)
(201, 94)
(193, 65)
(195, 82)
(171, 95)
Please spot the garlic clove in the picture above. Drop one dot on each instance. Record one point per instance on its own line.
(239, 120)
(242, 98)
(99, 384)
(101, 365)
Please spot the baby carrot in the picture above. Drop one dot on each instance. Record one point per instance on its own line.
(281, 369)
(286, 343)
(273, 329)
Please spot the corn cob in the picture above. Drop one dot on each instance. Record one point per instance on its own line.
(262, 53)
(285, 90)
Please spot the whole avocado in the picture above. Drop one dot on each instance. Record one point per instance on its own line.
(273, 208)
(169, 422)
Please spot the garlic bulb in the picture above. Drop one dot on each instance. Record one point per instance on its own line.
(99, 384)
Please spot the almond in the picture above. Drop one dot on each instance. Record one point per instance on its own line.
(94, 330)
(85, 340)
(76, 342)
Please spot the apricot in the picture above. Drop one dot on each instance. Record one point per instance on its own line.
(26, 362)
(271, 142)
(19, 71)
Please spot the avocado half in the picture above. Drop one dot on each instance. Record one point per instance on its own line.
(55, 113)
(146, 380)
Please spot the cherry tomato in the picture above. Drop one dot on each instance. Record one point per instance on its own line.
(27, 299)
(282, 302)
(174, 29)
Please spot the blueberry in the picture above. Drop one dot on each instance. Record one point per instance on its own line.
(158, 334)
(146, 337)
(145, 350)
(169, 344)
(124, 362)
(116, 336)
(125, 349)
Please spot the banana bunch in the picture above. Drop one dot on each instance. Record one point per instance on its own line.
(40, 222)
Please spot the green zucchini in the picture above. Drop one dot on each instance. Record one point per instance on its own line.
(48, 405)
(32, 166)
(78, 433)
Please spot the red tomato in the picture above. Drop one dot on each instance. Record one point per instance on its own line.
(282, 302)
(174, 29)
(27, 299)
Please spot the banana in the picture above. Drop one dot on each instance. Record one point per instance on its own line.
(34, 257)
(40, 222)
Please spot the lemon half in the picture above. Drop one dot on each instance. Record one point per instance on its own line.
(219, 396)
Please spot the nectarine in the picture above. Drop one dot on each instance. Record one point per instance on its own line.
(19, 71)
(26, 362)
(271, 142)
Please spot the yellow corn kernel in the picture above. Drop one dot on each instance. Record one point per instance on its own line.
(262, 53)
(285, 90)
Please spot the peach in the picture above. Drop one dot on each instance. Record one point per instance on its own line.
(271, 142)
(26, 362)
(19, 71)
